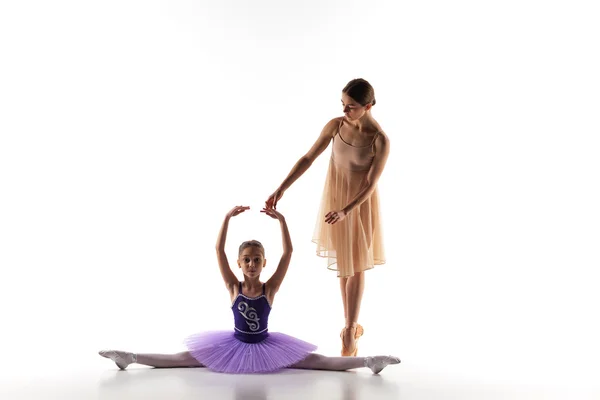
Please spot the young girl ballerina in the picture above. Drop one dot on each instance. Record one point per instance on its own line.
(250, 347)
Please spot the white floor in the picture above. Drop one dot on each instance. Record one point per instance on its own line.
(404, 382)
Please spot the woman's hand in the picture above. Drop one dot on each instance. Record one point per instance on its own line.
(271, 212)
(271, 202)
(237, 210)
(335, 216)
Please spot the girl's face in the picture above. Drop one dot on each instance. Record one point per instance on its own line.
(352, 109)
(252, 262)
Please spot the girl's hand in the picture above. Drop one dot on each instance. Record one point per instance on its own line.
(273, 213)
(236, 211)
(335, 216)
(271, 202)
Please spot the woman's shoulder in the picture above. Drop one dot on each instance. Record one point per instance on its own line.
(332, 126)
(381, 142)
(382, 138)
(335, 122)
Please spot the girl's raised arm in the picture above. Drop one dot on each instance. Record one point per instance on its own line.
(226, 272)
(275, 281)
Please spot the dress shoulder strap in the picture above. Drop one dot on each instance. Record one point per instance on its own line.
(373, 141)
(339, 127)
(375, 137)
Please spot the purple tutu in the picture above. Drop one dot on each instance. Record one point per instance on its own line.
(221, 351)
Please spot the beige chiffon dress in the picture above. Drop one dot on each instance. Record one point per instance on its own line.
(356, 243)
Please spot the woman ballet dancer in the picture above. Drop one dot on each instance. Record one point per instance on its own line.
(250, 347)
(348, 230)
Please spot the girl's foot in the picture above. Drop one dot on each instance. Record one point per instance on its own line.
(121, 358)
(378, 363)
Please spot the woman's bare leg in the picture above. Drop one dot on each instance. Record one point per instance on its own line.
(343, 285)
(321, 362)
(124, 358)
(355, 288)
(352, 297)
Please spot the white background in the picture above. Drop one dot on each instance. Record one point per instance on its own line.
(129, 128)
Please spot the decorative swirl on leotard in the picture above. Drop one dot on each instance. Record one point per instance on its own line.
(250, 315)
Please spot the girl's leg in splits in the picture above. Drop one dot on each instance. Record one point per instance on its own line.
(318, 361)
(124, 358)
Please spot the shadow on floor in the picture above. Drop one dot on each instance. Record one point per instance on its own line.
(200, 383)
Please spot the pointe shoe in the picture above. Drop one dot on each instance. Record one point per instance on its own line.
(345, 351)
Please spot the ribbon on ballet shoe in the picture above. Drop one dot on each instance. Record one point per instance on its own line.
(357, 334)
(359, 331)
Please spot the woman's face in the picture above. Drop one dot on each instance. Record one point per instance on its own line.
(352, 109)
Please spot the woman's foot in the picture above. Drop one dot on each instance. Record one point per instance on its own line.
(350, 336)
(378, 363)
(121, 358)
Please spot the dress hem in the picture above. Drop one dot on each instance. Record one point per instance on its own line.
(321, 254)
